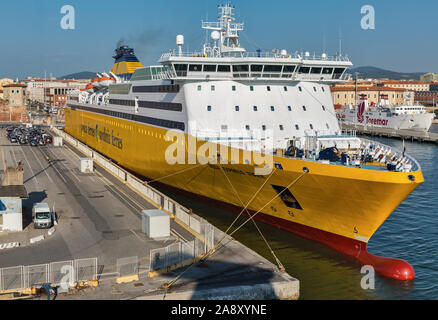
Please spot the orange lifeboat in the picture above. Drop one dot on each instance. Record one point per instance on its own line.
(106, 81)
(88, 88)
(95, 82)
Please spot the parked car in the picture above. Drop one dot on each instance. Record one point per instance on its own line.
(47, 138)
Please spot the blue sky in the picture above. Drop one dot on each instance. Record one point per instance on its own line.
(32, 40)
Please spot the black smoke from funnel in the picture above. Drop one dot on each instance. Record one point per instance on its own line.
(143, 41)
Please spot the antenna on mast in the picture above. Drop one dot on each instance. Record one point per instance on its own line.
(340, 42)
(323, 42)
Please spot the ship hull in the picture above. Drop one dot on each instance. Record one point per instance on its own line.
(339, 206)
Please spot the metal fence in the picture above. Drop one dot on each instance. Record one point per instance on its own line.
(86, 269)
(36, 274)
(56, 273)
(127, 266)
(183, 251)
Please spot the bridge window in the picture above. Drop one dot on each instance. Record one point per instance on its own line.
(241, 68)
(223, 68)
(304, 70)
(209, 68)
(327, 70)
(289, 69)
(195, 67)
(181, 69)
(316, 70)
(338, 72)
(272, 68)
(256, 67)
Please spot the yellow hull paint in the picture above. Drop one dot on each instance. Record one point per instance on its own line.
(345, 201)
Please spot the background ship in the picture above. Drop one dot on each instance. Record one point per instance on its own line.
(225, 109)
(406, 116)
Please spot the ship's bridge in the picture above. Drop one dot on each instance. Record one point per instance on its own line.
(223, 57)
(258, 66)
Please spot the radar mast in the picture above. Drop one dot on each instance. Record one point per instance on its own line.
(227, 33)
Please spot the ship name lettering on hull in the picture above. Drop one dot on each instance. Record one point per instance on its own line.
(103, 135)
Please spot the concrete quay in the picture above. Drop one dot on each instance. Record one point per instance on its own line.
(411, 135)
(100, 216)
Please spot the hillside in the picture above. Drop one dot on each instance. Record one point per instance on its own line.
(373, 72)
(79, 75)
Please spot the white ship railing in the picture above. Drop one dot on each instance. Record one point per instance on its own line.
(264, 54)
(415, 165)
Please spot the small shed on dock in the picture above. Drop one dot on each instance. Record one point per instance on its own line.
(12, 193)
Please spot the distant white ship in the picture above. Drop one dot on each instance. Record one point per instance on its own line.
(406, 117)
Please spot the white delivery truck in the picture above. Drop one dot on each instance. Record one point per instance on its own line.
(41, 215)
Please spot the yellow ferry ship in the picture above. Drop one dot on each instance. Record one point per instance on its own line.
(180, 122)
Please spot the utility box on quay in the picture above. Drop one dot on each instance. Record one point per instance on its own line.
(57, 141)
(86, 165)
(155, 223)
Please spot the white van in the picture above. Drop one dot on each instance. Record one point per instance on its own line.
(41, 215)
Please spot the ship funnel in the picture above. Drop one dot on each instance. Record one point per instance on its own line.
(125, 62)
(180, 42)
(363, 98)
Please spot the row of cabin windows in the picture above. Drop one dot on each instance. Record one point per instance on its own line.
(181, 69)
(281, 127)
(289, 108)
(251, 88)
(170, 124)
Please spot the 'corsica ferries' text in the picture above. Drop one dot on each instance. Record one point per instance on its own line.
(103, 135)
